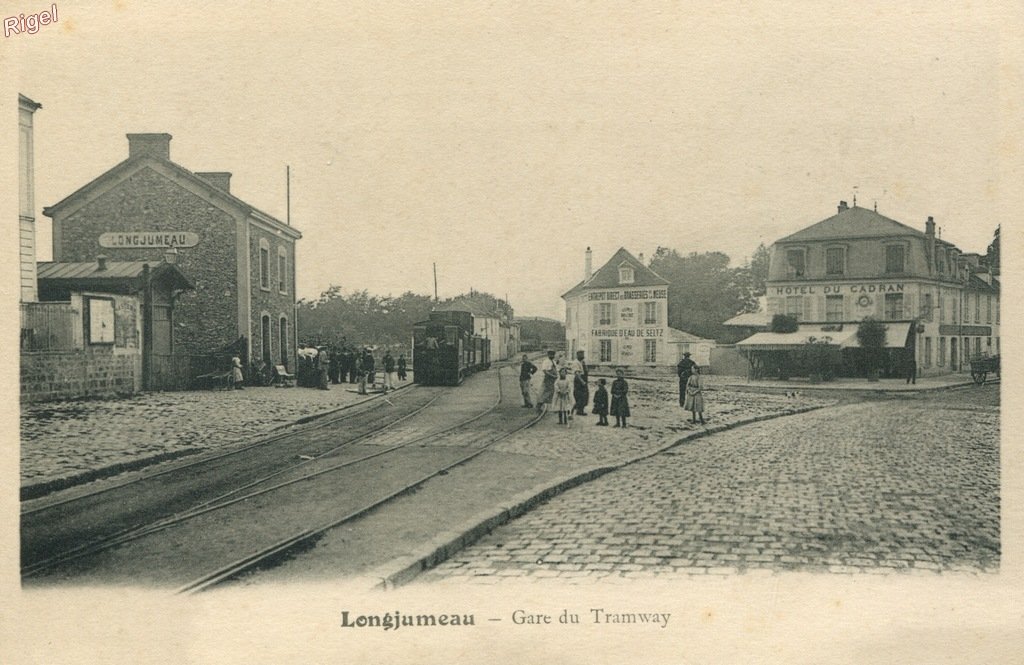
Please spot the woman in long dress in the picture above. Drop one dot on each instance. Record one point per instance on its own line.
(695, 396)
(620, 399)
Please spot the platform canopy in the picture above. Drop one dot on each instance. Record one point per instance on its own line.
(842, 335)
(836, 335)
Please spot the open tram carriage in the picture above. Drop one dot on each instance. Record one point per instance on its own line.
(445, 350)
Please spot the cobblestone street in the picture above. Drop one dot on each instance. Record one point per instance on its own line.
(900, 485)
(60, 439)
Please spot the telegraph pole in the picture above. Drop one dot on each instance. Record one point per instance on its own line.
(435, 282)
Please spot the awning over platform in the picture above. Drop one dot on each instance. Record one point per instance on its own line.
(840, 335)
(770, 341)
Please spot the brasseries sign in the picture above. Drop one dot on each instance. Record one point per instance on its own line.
(148, 239)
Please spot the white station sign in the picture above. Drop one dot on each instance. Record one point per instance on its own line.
(148, 239)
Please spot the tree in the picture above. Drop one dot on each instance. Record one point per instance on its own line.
(992, 255)
(703, 290)
(758, 267)
(871, 338)
(784, 323)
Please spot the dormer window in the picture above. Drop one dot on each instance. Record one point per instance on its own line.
(626, 274)
(795, 263)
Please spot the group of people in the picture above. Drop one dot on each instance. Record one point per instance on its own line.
(324, 365)
(570, 396)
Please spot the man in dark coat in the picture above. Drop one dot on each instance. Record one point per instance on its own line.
(580, 387)
(685, 370)
(526, 372)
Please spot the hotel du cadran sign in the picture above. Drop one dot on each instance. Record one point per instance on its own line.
(838, 289)
(148, 239)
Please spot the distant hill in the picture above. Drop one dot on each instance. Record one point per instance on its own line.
(540, 332)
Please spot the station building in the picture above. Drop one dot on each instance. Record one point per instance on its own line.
(940, 305)
(238, 261)
(618, 315)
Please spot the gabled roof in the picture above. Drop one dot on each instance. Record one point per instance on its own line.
(607, 276)
(676, 336)
(135, 163)
(852, 223)
(976, 283)
(120, 272)
(749, 320)
(466, 305)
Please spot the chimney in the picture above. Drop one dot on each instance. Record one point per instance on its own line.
(843, 206)
(929, 243)
(101, 262)
(219, 179)
(155, 145)
(588, 264)
(642, 259)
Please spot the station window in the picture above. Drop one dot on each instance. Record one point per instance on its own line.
(893, 306)
(795, 262)
(650, 350)
(977, 308)
(988, 309)
(795, 307)
(605, 353)
(835, 261)
(282, 270)
(977, 346)
(650, 313)
(626, 275)
(264, 264)
(926, 307)
(926, 361)
(265, 339)
(604, 317)
(894, 258)
(834, 308)
(940, 360)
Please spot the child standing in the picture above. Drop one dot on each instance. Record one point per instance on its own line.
(563, 397)
(601, 403)
(695, 396)
(620, 401)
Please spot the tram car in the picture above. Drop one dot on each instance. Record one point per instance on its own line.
(445, 350)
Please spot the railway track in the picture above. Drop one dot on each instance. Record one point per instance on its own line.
(293, 488)
(62, 530)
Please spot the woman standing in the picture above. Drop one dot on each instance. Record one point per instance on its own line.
(620, 399)
(695, 396)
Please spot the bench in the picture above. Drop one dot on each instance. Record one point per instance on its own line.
(282, 379)
(220, 380)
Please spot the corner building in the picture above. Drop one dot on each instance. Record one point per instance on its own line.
(939, 304)
(618, 315)
(240, 259)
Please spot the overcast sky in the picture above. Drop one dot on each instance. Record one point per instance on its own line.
(500, 141)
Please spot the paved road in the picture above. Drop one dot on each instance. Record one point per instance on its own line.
(901, 485)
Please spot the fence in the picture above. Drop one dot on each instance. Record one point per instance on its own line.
(49, 326)
(179, 371)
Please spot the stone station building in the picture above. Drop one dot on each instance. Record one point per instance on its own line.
(240, 260)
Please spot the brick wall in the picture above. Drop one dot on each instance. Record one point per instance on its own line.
(88, 373)
(149, 201)
(271, 300)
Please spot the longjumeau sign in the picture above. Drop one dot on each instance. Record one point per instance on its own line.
(147, 239)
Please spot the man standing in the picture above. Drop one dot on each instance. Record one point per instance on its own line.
(580, 387)
(368, 372)
(549, 369)
(685, 370)
(390, 379)
(526, 371)
(911, 368)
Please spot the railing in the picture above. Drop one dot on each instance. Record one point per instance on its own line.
(179, 371)
(49, 326)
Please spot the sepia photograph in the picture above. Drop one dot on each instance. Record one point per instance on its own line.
(511, 332)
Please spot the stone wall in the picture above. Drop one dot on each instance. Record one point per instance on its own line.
(84, 373)
(273, 301)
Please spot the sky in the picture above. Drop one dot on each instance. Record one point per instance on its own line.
(500, 140)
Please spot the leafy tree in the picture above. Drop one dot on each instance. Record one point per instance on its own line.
(758, 267)
(992, 255)
(871, 338)
(704, 291)
(784, 323)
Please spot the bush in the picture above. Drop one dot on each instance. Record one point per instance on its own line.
(784, 323)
